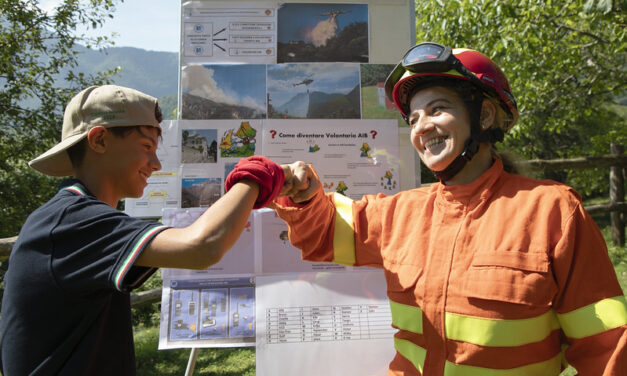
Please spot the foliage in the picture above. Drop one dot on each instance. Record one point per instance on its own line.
(148, 314)
(566, 64)
(38, 75)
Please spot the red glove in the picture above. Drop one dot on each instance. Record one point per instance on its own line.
(261, 170)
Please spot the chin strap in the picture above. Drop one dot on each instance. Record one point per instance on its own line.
(470, 149)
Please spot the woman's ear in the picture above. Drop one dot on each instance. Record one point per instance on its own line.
(96, 139)
(488, 114)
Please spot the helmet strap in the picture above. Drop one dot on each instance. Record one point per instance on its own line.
(470, 149)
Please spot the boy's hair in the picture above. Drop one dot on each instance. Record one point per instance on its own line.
(77, 151)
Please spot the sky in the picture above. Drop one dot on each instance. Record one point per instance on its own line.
(147, 24)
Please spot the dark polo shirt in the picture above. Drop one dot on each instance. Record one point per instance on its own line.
(66, 305)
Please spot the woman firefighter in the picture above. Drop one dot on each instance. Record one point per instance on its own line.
(488, 272)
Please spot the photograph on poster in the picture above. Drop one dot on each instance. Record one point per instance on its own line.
(200, 192)
(199, 146)
(313, 91)
(374, 103)
(234, 91)
(322, 33)
(239, 142)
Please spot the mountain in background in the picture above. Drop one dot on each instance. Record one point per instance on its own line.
(195, 107)
(152, 72)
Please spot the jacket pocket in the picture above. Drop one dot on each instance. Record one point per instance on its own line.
(405, 283)
(511, 276)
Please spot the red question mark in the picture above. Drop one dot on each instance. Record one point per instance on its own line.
(273, 132)
(374, 133)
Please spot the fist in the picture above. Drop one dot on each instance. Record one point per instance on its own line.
(301, 182)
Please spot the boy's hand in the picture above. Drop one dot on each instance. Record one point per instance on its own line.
(301, 182)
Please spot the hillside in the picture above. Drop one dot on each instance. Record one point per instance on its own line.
(153, 72)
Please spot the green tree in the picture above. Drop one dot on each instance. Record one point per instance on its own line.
(566, 64)
(37, 78)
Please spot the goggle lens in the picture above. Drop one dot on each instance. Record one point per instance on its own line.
(423, 52)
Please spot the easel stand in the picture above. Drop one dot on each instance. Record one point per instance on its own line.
(191, 363)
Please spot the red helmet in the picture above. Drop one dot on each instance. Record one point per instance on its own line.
(426, 60)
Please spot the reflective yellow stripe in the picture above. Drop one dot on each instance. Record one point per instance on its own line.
(414, 353)
(594, 318)
(406, 317)
(343, 237)
(489, 332)
(549, 367)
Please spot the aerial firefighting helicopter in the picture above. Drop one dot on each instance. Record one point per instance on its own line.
(305, 82)
(333, 14)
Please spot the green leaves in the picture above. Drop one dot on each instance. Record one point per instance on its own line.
(37, 78)
(565, 61)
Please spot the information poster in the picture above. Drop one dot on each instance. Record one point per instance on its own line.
(323, 324)
(351, 157)
(300, 80)
(274, 252)
(239, 260)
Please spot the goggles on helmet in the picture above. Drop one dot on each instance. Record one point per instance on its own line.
(436, 59)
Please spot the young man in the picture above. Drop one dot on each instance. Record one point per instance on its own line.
(66, 306)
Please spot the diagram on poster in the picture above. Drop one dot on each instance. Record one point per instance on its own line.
(238, 260)
(229, 32)
(215, 312)
(351, 157)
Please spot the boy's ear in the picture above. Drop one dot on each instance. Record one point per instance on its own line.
(96, 139)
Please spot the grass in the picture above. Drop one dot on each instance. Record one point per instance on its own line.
(210, 362)
(241, 361)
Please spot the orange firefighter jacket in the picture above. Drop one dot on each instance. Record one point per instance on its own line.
(503, 276)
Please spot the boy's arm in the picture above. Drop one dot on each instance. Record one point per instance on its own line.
(253, 183)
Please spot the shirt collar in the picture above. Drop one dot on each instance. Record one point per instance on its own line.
(75, 186)
(477, 190)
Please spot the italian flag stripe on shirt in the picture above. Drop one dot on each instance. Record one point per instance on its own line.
(130, 259)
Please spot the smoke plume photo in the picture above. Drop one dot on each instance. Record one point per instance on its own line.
(322, 33)
(224, 92)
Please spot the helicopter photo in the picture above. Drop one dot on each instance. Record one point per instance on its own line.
(305, 82)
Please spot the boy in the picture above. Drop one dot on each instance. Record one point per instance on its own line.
(66, 307)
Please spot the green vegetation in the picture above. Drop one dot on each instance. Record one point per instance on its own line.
(566, 64)
(210, 362)
(38, 76)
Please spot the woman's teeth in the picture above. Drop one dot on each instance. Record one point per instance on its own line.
(434, 141)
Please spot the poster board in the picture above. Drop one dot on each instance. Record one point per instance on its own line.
(298, 80)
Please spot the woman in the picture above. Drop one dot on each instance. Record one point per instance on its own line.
(488, 272)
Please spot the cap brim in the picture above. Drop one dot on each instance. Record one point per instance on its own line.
(56, 161)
